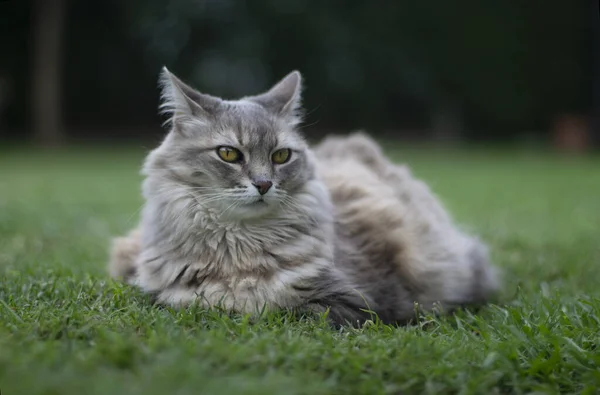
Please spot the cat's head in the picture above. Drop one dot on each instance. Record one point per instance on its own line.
(243, 157)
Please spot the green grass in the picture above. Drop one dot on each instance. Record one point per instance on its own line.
(65, 328)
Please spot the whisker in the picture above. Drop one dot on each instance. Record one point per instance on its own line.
(233, 205)
(309, 125)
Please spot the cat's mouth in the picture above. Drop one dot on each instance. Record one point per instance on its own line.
(258, 202)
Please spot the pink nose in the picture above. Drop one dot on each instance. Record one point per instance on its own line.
(263, 186)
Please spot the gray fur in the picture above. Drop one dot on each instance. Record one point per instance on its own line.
(342, 228)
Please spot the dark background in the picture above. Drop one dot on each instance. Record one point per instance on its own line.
(508, 71)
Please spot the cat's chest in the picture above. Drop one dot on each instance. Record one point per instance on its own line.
(243, 267)
(244, 248)
(246, 239)
(240, 265)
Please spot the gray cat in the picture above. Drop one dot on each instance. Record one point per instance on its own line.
(241, 213)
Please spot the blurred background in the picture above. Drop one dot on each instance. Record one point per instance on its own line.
(513, 71)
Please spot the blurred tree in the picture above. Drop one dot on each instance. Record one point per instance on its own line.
(595, 54)
(47, 71)
(470, 68)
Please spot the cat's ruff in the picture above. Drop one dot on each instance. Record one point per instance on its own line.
(274, 224)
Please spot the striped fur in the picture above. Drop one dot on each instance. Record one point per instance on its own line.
(342, 228)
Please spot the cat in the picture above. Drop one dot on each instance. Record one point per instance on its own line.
(241, 213)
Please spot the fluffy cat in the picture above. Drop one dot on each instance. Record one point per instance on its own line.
(241, 213)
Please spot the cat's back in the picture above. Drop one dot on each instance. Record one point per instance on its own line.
(374, 195)
(352, 170)
(391, 229)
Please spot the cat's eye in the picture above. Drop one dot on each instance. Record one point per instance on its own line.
(281, 156)
(229, 154)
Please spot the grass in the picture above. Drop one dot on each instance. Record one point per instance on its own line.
(65, 328)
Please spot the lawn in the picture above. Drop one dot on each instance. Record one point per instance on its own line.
(65, 328)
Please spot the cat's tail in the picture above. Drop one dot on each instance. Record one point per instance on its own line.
(123, 256)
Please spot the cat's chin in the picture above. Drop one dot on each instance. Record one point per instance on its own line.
(250, 211)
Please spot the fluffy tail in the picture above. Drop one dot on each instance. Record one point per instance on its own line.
(123, 256)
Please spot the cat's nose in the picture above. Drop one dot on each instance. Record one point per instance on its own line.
(263, 186)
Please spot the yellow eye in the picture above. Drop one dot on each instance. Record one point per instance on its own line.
(229, 154)
(281, 156)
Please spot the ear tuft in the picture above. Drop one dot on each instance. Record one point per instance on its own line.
(284, 98)
(178, 100)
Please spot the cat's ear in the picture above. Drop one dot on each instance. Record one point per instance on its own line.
(284, 98)
(182, 102)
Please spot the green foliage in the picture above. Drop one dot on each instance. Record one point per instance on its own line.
(65, 328)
